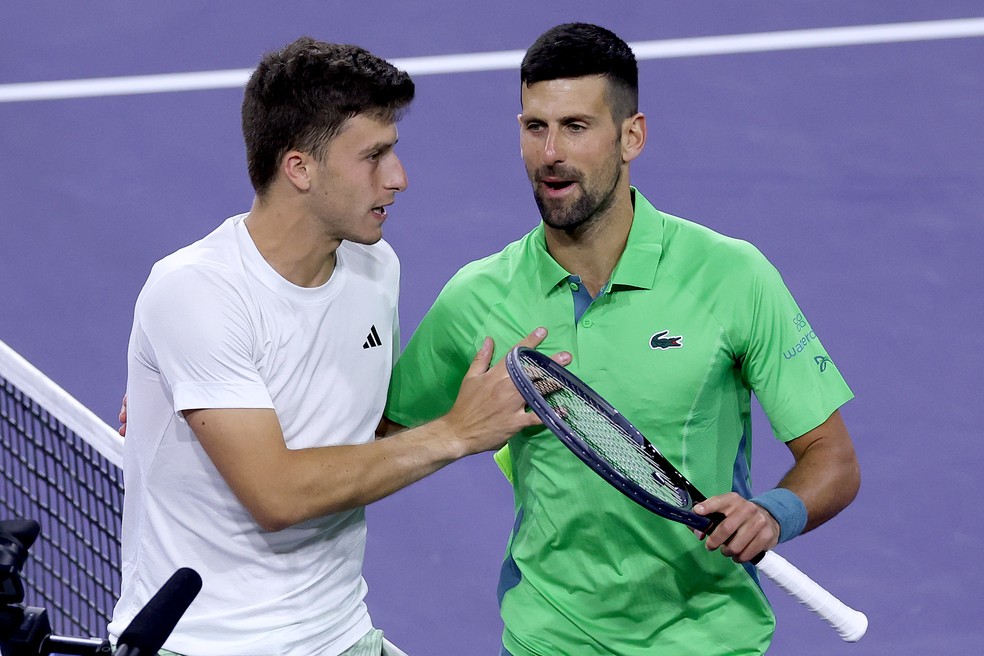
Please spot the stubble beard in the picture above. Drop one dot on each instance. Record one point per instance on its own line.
(574, 215)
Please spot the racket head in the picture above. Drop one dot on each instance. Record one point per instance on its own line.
(603, 438)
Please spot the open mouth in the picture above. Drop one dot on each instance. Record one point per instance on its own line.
(557, 185)
(379, 212)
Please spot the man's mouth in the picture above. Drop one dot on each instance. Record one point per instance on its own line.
(557, 185)
(557, 182)
(379, 211)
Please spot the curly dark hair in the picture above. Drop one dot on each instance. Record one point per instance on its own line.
(299, 97)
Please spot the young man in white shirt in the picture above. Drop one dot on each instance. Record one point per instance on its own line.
(259, 361)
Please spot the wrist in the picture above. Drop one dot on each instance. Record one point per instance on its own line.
(786, 508)
(452, 446)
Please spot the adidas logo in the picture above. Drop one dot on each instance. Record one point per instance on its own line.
(372, 339)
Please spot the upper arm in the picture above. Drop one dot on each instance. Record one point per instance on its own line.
(831, 435)
(829, 450)
(196, 330)
(247, 447)
(782, 359)
(826, 475)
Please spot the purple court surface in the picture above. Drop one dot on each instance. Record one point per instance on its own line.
(855, 163)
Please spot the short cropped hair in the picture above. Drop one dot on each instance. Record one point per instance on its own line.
(577, 50)
(299, 97)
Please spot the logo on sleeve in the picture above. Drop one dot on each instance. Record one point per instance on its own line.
(661, 341)
(822, 362)
(799, 346)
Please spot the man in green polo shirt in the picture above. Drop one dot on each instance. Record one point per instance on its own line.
(677, 326)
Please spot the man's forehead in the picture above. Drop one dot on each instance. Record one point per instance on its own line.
(367, 126)
(566, 95)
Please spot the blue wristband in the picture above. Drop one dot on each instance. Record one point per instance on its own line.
(788, 509)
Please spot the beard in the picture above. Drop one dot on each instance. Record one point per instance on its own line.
(592, 201)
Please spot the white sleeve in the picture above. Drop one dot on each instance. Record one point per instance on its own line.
(193, 326)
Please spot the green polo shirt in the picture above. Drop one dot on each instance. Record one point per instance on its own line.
(691, 324)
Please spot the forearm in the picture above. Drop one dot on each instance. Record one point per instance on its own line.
(826, 476)
(330, 479)
(281, 487)
(825, 488)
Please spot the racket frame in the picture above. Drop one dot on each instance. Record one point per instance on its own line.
(559, 427)
(849, 623)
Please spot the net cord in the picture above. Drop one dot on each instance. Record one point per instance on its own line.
(75, 416)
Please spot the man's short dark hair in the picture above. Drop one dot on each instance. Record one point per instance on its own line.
(299, 97)
(580, 49)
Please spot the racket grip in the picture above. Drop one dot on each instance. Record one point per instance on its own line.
(850, 624)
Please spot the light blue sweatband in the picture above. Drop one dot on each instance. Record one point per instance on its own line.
(788, 509)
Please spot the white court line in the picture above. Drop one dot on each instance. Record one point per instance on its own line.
(510, 59)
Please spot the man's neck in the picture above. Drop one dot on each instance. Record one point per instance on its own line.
(593, 251)
(289, 242)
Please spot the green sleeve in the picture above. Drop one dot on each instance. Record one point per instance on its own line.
(428, 374)
(783, 361)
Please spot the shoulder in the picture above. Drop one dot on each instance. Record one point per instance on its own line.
(199, 269)
(217, 249)
(688, 238)
(693, 249)
(494, 274)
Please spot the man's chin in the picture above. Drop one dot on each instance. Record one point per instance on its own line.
(563, 222)
(554, 213)
(562, 216)
(367, 239)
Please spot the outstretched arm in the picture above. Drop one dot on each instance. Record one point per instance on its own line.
(281, 487)
(825, 477)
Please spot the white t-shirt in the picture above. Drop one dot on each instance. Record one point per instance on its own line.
(216, 327)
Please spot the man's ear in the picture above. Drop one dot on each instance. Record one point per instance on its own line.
(297, 168)
(633, 136)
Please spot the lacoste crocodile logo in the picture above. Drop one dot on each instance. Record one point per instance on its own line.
(661, 341)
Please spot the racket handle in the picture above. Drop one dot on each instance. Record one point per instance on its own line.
(849, 623)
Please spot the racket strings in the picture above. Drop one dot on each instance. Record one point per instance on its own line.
(603, 435)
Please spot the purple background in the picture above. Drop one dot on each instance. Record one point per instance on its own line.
(858, 170)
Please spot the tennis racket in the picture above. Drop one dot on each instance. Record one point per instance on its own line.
(615, 449)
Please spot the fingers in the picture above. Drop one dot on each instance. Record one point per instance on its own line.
(482, 360)
(480, 363)
(725, 505)
(746, 530)
(534, 338)
(122, 428)
(562, 357)
(489, 408)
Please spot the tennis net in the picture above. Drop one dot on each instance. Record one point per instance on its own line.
(60, 466)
